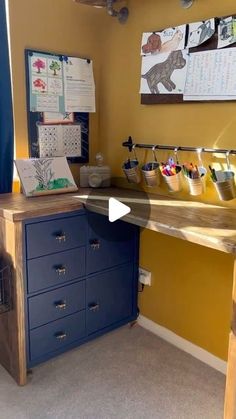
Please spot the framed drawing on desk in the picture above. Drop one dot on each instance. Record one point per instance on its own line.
(49, 125)
(45, 176)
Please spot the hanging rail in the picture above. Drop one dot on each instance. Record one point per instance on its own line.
(130, 144)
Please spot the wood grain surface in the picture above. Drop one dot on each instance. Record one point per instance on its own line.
(207, 225)
(230, 390)
(12, 323)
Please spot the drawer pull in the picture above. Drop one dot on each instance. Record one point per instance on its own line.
(61, 238)
(61, 305)
(61, 270)
(93, 307)
(61, 336)
(95, 244)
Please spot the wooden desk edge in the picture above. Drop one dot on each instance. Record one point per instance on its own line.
(24, 215)
(25, 208)
(193, 237)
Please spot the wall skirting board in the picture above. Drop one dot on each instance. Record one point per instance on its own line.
(183, 344)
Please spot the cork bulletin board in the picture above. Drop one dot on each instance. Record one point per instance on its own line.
(53, 137)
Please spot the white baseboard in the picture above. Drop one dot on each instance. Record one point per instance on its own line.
(183, 344)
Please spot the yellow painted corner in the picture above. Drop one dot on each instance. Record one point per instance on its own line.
(191, 290)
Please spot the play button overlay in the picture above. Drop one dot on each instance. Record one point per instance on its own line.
(117, 210)
(106, 209)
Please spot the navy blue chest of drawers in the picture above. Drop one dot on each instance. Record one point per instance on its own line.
(81, 274)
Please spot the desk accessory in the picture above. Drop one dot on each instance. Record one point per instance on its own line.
(195, 176)
(98, 176)
(45, 176)
(224, 181)
(226, 191)
(131, 168)
(172, 173)
(151, 171)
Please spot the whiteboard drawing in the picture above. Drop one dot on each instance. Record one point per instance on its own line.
(45, 176)
(168, 40)
(167, 75)
(200, 32)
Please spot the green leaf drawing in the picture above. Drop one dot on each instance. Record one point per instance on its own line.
(55, 66)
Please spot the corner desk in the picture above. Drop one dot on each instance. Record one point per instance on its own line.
(207, 225)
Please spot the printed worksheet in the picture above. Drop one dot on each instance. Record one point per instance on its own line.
(211, 75)
(164, 73)
(79, 87)
(171, 39)
(60, 84)
(59, 140)
(48, 102)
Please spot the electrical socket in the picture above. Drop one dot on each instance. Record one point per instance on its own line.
(145, 277)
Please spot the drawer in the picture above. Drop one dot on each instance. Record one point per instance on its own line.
(56, 304)
(110, 297)
(109, 244)
(54, 270)
(56, 335)
(55, 235)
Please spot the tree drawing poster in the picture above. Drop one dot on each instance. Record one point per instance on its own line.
(45, 176)
(60, 84)
(46, 83)
(164, 73)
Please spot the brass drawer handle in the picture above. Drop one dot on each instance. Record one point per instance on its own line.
(61, 238)
(61, 336)
(61, 305)
(61, 270)
(94, 307)
(95, 244)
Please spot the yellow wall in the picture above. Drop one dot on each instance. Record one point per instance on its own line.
(60, 26)
(122, 115)
(191, 292)
(191, 285)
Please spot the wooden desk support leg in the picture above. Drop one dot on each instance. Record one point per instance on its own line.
(12, 323)
(230, 390)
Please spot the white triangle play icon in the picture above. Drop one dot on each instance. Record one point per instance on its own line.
(117, 209)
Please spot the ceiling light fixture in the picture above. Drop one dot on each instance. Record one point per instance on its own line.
(186, 3)
(122, 14)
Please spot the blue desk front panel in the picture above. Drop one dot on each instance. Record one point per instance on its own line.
(78, 287)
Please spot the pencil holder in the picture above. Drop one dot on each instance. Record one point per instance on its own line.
(132, 173)
(151, 173)
(197, 186)
(226, 188)
(174, 182)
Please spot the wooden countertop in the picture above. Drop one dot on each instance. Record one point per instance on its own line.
(208, 225)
